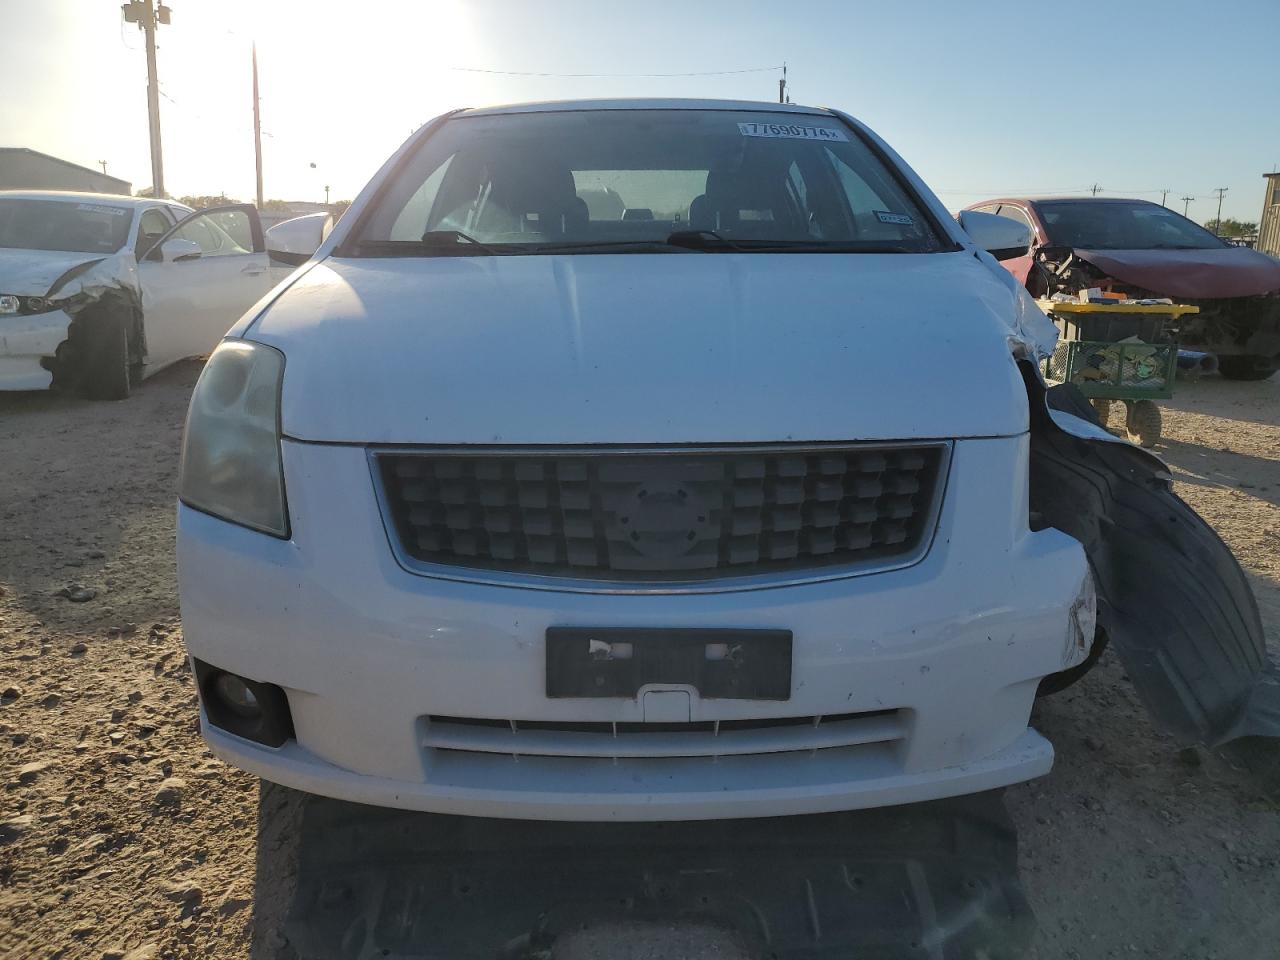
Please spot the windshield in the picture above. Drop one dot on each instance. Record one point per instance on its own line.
(1121, 225)
(65, 225)
(621, 180)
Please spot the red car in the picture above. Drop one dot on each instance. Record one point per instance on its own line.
(1145, 250)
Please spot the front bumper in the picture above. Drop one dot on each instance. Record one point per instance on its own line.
(367, 652)
(24, 341)
(667, 790)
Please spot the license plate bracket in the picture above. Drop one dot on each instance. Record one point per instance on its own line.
(720, 663)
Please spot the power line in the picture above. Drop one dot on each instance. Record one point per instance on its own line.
(571, 76)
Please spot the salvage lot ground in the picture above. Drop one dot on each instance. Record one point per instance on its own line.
(121, 836)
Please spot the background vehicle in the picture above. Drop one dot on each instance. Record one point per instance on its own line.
(99, 291)
(1147, 250)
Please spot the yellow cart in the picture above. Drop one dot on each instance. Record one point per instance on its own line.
(1118, 351)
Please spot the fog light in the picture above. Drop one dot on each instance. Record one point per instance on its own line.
(237, 696)
(252, 709)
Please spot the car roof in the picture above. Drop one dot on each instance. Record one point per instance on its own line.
(642, 103)
(115, 198)
(1059, 199)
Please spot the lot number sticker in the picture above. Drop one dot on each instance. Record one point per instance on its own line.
(792, 131)
(884, 216)
(97, 208)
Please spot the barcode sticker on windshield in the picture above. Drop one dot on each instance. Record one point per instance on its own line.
(792, 131)
(99, 208)
(884, 216)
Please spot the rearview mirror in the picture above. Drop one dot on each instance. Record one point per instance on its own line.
(175, 249)
(295, 241)
(1001, 237)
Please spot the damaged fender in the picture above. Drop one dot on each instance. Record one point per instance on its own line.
(1171, 597)
(88, 295)
(111, 280)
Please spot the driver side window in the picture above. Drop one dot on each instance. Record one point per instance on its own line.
(152, 225)
(215, 233)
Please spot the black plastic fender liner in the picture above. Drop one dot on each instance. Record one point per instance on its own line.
(1171, 596)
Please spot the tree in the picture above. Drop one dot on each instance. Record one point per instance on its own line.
(338, 208)
(280, 205)
(199, 203)
(1233, 228)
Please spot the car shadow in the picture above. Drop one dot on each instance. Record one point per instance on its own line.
(1203, 466)
(934, 879)
(1228, 399)
(86, 499)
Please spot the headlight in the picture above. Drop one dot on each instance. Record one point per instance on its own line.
(10, 304)
(231, 450)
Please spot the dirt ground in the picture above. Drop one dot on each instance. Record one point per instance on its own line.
(121, 837)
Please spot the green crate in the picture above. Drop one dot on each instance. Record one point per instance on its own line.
(1115, 371)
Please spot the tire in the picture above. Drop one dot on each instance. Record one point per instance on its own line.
(1246, 367)
(1142, 422)
(105, 366)
(1103, 409)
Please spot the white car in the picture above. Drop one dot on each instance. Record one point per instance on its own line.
(98, 291)
(711, 501)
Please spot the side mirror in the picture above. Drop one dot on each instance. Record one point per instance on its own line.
(1001, 237)
(175, 249)
(295, 241)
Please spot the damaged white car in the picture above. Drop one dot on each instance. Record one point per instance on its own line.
(98, 291)
(671, 460)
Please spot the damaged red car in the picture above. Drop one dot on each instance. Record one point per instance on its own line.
(1145, 250)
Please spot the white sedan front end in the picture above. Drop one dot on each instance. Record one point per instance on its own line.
(429, 693)
(692, 525)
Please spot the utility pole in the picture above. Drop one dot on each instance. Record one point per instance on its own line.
(257, 128)
(326, 194)
(104, 166)
(1164, 194)
(1217, 224)
(782, 85)
(1186, 204)
(147, 17)
(1094, 189)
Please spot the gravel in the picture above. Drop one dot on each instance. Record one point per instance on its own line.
(150, 849)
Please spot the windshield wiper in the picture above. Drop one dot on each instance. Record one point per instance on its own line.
(702, 240)
(433, 243)
(603, 246)
(452, 238)
(823, 246)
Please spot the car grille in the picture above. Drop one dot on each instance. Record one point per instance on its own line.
(709, 738)
(663, 516)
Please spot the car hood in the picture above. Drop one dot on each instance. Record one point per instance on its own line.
(33, 273)
(1192, 274)
(658, 348)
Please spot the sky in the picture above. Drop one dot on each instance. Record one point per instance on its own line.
(982, 98)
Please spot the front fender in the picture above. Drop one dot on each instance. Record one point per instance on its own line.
(1171, 596)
